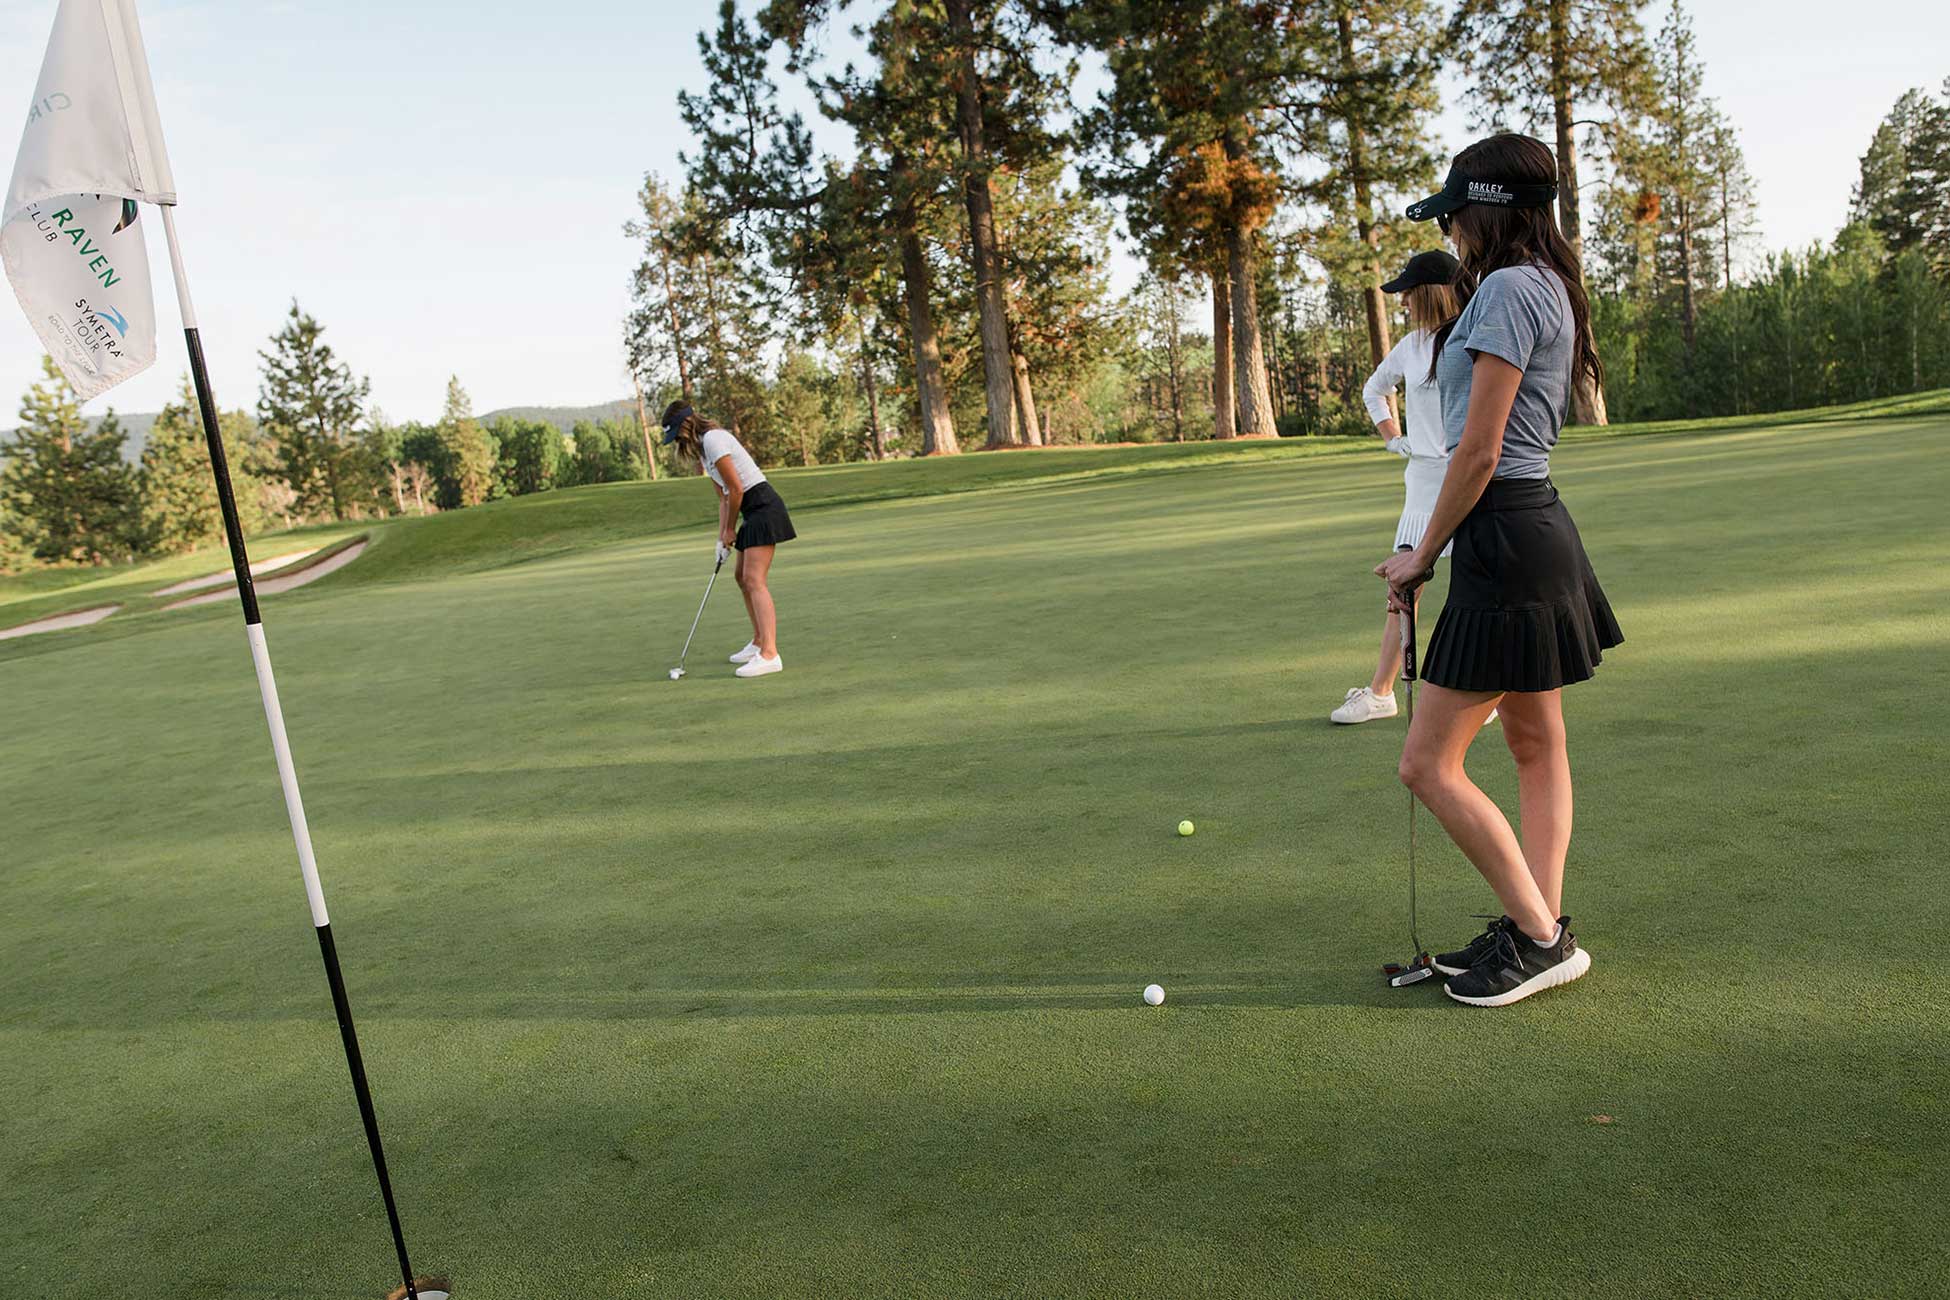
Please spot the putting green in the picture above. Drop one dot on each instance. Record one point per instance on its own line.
(828, 984)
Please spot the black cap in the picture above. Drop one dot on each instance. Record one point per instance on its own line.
(1432, 267)
(1460, 190)
(674, 420)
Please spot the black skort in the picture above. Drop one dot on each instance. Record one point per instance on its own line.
(1525, 611)
(766, 522)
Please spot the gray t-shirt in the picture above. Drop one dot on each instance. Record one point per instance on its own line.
(1523, 315)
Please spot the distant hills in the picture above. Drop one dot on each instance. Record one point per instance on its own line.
(566, 417)
(136, 423)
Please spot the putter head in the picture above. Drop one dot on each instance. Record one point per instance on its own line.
(428, 1288)
(1400, 977)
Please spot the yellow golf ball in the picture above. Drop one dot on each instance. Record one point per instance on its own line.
(1185, 827)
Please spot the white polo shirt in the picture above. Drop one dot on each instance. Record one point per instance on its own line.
(716, 445)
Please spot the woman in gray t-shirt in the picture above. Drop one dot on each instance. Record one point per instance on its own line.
(1525, 616)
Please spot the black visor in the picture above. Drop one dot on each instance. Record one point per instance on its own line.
(1460, 190)
(674, 422)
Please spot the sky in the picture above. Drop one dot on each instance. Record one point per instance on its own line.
(444, 184)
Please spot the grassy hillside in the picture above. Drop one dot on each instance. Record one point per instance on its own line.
(525, 529)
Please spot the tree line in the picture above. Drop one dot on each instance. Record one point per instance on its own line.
(945, 280)
(314, 450)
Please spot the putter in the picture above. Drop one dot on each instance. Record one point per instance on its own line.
(678, 671)
(1421, 966)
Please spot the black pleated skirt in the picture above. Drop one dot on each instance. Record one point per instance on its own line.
(1525, 612)
(766, 522)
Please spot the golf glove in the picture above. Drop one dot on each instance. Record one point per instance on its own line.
(724, 552)
(1397, 445)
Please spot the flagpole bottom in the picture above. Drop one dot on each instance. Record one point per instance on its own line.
(430, 1288)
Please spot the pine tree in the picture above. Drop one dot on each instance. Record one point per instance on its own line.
(1903, 193)
(1550, 61)
(1180, 136)
(180, 511)
(1686, 124)
(1054, 249)
(1367, 118)
(311, 408)
(470, 453)
(659, 334)
(70, 495)
(839, 234)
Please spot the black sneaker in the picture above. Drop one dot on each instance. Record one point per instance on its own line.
(1515, 967)
(1455, 963)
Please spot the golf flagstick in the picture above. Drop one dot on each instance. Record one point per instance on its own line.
(1420, 966)
(294, 804)
(91, 154)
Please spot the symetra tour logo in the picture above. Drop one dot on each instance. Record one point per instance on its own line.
(1490, 192)
(99, 328)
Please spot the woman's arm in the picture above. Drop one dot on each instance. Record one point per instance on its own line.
(734, 496)
(1492, 392)
(1379, 393)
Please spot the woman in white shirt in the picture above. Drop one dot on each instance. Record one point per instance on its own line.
(742, 489)
(1430, 295)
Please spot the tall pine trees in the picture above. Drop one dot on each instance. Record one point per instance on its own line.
(70, 496)
(311, 407)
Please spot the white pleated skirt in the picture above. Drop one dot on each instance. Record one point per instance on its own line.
(1423, 481)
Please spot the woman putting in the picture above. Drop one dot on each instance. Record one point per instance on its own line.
(1428, 292)
(1525, 616)
(742, 489)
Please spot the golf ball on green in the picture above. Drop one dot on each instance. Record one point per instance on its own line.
(1185, 827)
(1154, 995)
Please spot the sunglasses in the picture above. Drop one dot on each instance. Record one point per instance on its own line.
(1442, 223)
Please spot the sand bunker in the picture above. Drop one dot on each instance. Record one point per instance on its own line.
(228, 577)
(80, 618)
(284, 581)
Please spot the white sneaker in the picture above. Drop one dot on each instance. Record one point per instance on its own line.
(749, 653)
(1492, 718)
(759, 665)
(1363, 705)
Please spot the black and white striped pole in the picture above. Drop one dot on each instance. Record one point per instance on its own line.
(294, 804)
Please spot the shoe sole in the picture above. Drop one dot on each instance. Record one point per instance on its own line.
(1562, 973)
(1355, 722)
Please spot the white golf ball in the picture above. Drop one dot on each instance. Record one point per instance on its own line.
(1154, 995)
(675, 673)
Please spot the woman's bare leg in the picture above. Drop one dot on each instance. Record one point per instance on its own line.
(1533, 727)
(738, 572)
(753, 564)
(1389, 665)
(1432, 766)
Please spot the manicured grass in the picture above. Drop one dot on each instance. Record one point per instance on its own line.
(827, 985)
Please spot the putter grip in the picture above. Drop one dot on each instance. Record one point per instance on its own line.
(1408, 626)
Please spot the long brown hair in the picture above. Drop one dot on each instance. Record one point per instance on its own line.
(1431, 306)
(1492, 238)
(690, 433)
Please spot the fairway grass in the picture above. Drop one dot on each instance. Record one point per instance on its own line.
(828, 984)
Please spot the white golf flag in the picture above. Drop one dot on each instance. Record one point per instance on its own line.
(92, 150)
